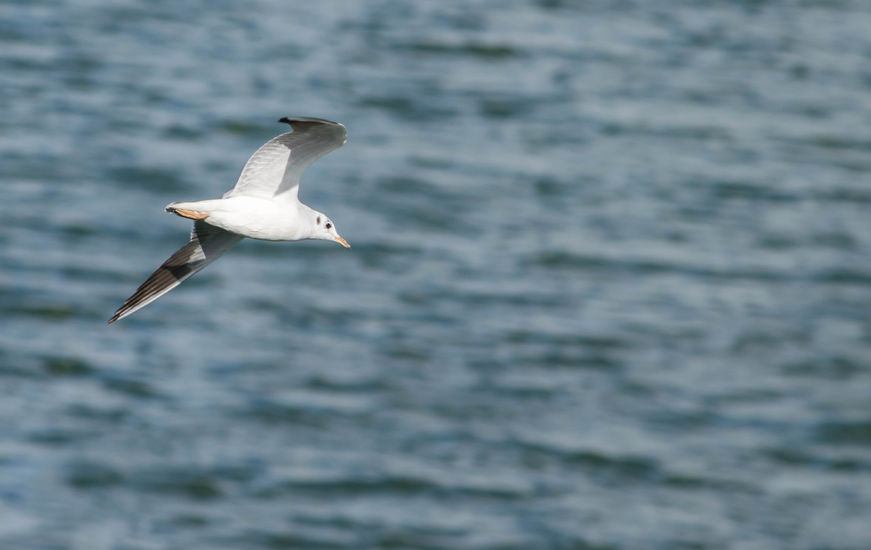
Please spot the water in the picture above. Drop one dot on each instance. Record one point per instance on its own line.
(609, 284)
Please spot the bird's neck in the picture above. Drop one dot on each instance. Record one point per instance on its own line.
(309, 215)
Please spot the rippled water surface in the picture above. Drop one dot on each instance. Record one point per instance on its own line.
(609, 286)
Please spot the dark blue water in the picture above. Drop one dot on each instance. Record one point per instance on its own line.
(609, 287)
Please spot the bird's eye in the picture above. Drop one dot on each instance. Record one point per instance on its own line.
(318, 221)
(329, 225)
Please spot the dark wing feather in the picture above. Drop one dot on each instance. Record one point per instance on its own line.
(206, 245)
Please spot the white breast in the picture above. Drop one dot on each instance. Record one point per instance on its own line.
(259, 218)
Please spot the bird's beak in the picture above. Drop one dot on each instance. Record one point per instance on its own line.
(342, 242)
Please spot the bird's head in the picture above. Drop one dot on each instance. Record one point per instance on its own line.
(325, 229)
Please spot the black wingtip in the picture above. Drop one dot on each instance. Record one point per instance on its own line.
(306, 119)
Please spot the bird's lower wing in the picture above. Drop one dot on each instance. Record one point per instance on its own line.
(207, 244)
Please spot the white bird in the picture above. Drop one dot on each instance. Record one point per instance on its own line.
(263, 205)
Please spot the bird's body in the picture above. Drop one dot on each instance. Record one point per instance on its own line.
(254, 217)
(263, 205)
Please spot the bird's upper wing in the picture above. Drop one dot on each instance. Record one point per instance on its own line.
(206, 245)
(274, 170)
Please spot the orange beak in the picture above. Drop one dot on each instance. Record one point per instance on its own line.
(342, 242)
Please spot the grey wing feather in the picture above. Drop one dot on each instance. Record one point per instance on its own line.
(206, 245)
(275, 169)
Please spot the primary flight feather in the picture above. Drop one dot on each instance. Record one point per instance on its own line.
(262, 205)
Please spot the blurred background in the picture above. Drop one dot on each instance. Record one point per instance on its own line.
(609, 285)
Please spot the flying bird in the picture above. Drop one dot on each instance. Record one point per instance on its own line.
(263, 205)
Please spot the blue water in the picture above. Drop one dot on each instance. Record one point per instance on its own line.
(609, 287)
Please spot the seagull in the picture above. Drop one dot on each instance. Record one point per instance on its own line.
(263, 205)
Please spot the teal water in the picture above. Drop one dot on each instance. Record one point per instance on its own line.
(609, 287)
